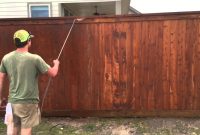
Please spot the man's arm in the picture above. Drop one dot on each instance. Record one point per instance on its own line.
(53, 71)
(2, 76)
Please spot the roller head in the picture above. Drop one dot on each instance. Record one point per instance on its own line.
(80, 19)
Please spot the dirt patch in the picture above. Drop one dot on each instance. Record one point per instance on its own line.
(122, 130)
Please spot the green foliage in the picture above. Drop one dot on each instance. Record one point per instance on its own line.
(90, 127)
(2, 127)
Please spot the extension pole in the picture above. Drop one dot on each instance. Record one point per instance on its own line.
(50, 78)
(66, 39)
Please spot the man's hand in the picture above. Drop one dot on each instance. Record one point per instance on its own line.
(56, 62)
(2, 100)
(54, 70)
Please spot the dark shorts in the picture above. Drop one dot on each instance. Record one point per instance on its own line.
(26, 115)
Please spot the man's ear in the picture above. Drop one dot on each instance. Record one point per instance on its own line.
(17, 42)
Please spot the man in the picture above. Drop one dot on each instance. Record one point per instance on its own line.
(22, 69)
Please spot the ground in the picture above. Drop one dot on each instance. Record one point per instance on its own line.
(115, 126)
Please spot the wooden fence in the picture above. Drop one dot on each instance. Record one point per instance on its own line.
(142, 65)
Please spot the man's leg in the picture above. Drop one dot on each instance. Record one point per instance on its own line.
(26, 131)
(16, 131)
(29, 116)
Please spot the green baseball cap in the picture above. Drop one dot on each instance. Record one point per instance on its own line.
(22, 35)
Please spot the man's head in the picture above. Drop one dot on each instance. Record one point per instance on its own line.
(22, 38)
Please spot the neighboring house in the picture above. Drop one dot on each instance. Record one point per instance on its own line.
(133, 11)
(57, 8)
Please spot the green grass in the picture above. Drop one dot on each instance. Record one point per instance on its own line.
(105, 126)
(47, 128)
(90, 127)
(2, 127)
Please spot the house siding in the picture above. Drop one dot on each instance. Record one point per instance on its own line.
(55, 9)
(13, 10)
(19, 9)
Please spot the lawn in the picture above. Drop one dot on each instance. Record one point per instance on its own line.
(115, 126)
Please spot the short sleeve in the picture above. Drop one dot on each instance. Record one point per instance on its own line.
(42, 66)
(2, 67)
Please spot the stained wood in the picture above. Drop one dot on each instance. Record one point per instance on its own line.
(140, 65)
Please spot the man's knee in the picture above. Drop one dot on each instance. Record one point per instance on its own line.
(26, 131)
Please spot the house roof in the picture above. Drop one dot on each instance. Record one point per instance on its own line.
(134, 11)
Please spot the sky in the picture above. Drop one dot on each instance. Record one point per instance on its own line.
(160, 6)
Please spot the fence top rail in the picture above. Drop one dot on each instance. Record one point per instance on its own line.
(103, 19)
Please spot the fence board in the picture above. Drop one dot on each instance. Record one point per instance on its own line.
(143, 65)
